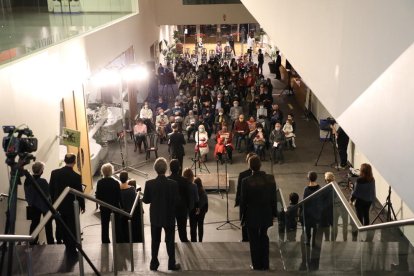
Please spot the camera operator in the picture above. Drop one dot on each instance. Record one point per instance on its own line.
(59, 180)
(342, 141)
(36, 205)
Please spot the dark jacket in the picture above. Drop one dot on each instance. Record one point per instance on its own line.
(258, 200)
(313, 208)
(162, 194)
(33, 198)
(364, 190)
(242, 176)
(59, 180)
(185, 195)
(176, 144)
(109, 191)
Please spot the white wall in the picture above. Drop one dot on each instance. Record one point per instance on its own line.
(357, 57)
(173, 12)
(32, 87)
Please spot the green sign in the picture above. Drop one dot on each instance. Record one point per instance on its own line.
(70, 137)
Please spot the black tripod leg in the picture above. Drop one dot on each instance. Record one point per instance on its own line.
(320, 152)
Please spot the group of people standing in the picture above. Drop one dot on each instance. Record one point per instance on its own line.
(59, 180)
(173, 199)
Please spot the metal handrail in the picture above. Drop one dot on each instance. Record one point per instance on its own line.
(282, 198)
(58, 202)
(351, 212)
(6, 195)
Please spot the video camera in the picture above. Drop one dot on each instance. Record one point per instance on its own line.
(325, 124)
(17, 145)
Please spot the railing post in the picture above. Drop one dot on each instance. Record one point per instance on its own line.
(78, 235)
(131, 248)
(29, 260)
(114, 243)
(142, 221)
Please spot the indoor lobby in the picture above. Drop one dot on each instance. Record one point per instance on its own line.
(79, 74)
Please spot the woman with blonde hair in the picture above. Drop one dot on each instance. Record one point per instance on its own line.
(108, 190)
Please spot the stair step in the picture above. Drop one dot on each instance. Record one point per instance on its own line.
(217, 257)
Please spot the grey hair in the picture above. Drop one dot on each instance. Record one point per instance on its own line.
(107, 170)
(160, 165)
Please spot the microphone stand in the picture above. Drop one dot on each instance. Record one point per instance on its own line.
(221, 227)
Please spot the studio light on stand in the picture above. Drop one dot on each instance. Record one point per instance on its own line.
(117, 76)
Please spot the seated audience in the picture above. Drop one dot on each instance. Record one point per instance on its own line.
(277, 141)
(140, 133)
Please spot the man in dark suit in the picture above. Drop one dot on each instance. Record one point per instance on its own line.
(184, 201)
(176, 145)
(59, 180)
(162, 194)
(277, 65)
(243, 175)
(258, 207)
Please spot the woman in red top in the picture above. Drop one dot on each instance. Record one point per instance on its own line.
(226, 138)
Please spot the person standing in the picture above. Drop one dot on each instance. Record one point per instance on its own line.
(109, 191)
(364, 195)
(260, 61)
(342, 140)
(198, 222)
(59, 180)
(278, 63)
(194, 209)
(176, 145)
(231, 43)
(243, 175)
(162, 195)
(258, 207)
(36, 203)
(128, 195)
(311, 219)
(184, 201)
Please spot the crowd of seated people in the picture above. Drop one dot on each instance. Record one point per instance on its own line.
(217, 95)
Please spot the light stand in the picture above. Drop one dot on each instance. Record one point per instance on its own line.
(124, 166)
(331, 138)
(390, 209)
(227, 222)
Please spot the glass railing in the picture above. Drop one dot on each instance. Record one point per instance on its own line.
(329, 238)
(25, 31)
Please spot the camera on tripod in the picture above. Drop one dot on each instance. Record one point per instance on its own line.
(15, 145)
(326, 124)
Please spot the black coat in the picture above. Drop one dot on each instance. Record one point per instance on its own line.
(162, 194)
(109, 191)
(242, 176)
(258, 200)
(59, 180)
(185, 190)
(176, 144)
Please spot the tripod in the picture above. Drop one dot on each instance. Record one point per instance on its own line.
(124, 166)
(221, 227)
(331, 138)
(390, 209)
(17, 171)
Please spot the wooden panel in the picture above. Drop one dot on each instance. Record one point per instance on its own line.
(75, 118)
(82, 126)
